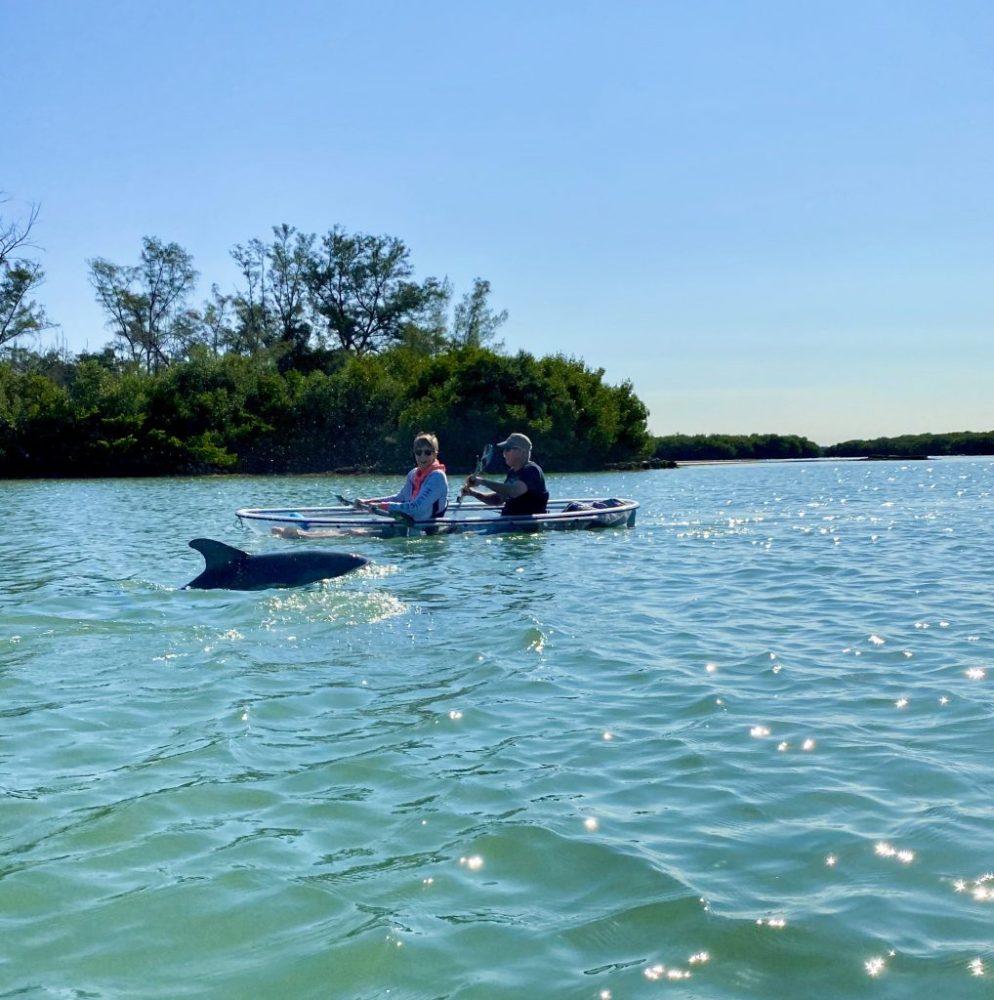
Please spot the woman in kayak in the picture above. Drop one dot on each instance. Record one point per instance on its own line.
(423, 496)
(425, 493)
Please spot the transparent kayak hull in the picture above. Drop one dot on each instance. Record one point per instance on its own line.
(562, 515)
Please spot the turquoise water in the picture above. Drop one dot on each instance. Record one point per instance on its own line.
(744, 749)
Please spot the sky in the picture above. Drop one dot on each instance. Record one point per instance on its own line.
(769, 216)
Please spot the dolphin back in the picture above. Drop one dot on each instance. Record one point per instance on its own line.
(223, 565)
(217, 555)
(232, 569)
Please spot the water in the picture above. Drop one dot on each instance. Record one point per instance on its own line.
(742, 750)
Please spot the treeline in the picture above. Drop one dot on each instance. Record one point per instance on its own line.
(95, 415)
(299, 294)
(328, 355)
(754, 447)
(733, 447)
(916, 445)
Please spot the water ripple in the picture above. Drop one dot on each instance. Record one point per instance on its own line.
(741, 751)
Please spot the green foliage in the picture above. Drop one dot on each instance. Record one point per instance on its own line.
(917, 445)
(145, 304)
(34, 413)
(272, 308)
(244, 414)
(348, 293)
(474, 323)
(362, 291)
(19, 277)
(713, 447)
(20, 314)
(328, 421)
(96, 416)
(331, 357)
(728, 447)
(471, 395)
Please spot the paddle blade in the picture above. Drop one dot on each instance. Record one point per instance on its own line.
(492, 460)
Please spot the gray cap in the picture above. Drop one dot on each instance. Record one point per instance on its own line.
(516, 440)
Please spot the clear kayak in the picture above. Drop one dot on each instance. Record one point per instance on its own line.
(319, 522)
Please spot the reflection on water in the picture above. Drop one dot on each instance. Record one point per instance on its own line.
(742, 750)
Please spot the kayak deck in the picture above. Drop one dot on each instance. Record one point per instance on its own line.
(316, 522)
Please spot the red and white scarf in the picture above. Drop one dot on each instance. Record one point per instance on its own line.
(420, 475)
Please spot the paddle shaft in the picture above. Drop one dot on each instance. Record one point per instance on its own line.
(481, 463)
(373, 509)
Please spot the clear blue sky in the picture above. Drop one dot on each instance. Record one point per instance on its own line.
(770, 216)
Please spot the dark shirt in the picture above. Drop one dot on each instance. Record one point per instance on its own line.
(536, 499)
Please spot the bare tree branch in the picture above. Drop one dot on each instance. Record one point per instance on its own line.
(19, 276)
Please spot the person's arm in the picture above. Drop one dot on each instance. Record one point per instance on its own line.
(368, 501)
(501, 491)
(404, 493)
(488, 498)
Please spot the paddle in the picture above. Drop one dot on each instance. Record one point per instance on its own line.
(395, 515)
(482, 461)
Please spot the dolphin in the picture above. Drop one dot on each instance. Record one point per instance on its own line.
(231, 569)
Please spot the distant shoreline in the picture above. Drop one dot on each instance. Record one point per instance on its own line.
(822, 458)
(718, 448)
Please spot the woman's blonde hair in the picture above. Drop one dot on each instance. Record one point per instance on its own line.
(426, 436)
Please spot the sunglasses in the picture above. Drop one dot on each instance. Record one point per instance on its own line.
(424, 451)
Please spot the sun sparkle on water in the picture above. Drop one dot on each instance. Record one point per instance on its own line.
(446, 780)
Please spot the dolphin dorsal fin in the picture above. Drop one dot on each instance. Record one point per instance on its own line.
(216, 554)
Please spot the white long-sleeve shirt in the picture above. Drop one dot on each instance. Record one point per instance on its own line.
(431, 501)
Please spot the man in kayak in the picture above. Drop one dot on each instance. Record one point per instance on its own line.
(523, 491)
